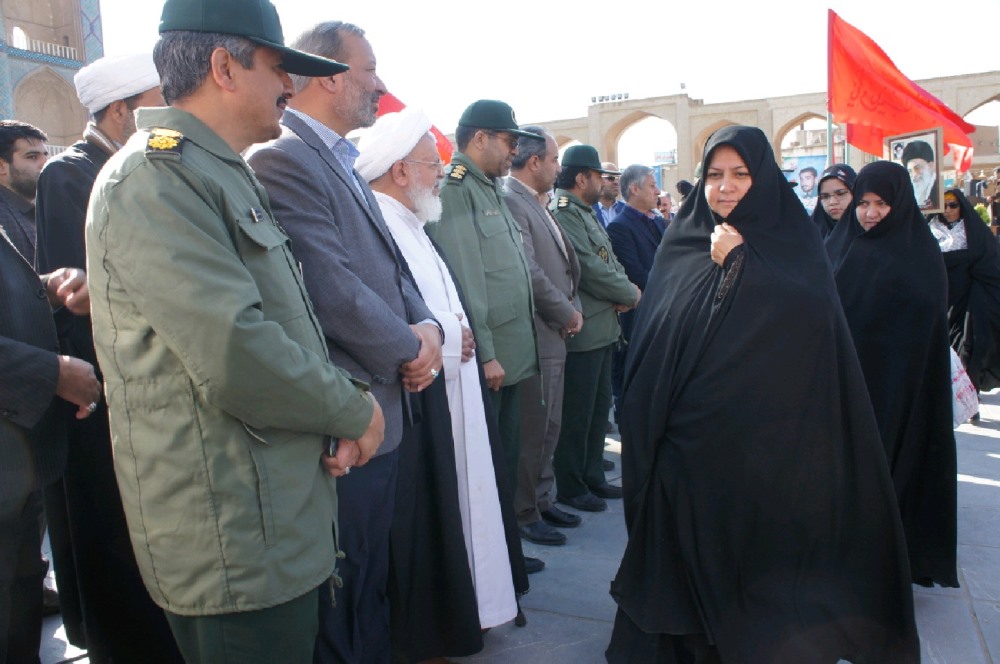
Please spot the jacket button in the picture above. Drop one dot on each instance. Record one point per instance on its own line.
(41, 293)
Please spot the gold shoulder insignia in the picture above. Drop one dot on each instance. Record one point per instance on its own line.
(458, 172)
(563, 203)
(602, 253)
(164, 141)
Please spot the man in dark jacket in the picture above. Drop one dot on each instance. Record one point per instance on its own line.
(635, 235)
(86, 520)
(32, 444)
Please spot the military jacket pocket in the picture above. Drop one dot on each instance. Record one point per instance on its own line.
(264, 250)
(495, 244)
(500, 313)
(264, 235)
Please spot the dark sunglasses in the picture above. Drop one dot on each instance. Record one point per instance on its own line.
(609, 178)
(951, 206)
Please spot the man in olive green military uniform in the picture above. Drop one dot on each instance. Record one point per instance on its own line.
(482, 243)
(605, 291)
(220, 396)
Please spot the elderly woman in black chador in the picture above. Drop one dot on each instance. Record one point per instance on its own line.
(761, 518)
(972, 259)
(894, 289)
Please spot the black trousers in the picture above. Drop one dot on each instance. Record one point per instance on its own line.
(22, 572)
(356, 630)
(579, 456)
(507, 404)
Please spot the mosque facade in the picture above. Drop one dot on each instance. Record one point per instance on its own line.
(45, 42)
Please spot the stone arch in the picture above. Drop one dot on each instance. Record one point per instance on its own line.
(702, 138)
(611, 137)
(46, 100)
(783, 130)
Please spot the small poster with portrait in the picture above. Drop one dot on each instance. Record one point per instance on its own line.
(920, 154)
(804, 171)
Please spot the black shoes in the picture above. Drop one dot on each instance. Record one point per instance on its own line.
(556, 517)
(50, 601)
(588, 502)
(542, 533)
(533, 565)
(606, 491)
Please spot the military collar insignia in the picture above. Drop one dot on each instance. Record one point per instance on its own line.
(563, 203)
(602, 253)
(164, 141)
(458, 172)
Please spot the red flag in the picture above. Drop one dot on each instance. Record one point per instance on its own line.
(388, 103)
(873, 98)
(961, 156)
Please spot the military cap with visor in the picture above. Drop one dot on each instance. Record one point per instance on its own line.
(494, 116)
(584, 156)
(256, 20)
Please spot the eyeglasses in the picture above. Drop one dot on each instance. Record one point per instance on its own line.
(840, 193)
(509, 139)
(609, 178)
(438, 165)
(951, 206)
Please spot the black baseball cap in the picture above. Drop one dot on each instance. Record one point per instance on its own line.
(256, 20)
(495, 116)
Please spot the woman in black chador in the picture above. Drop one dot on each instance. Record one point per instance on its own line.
(761, 518)
(972, 258)
(894, 289)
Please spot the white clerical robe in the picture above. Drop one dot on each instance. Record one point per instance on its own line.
(478, 499)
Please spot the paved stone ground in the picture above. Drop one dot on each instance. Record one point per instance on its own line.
(570, 613)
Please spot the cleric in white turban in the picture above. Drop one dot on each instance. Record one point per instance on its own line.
(115, 77)
(399, 158)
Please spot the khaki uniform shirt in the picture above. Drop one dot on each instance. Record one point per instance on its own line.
(603, 282)
(482, 244)
(220, 395)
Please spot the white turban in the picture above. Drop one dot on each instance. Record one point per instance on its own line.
(392, 137)
(115, 77)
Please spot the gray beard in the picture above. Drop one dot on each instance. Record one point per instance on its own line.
(428, 206)
(922, 187)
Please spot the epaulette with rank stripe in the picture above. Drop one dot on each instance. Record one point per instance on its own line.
(164, 141)
(458, 172)
(563, 203)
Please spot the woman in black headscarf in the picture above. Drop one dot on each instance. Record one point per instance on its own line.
(893, 286)
(972, 259)
(761, 518)
(835, 186)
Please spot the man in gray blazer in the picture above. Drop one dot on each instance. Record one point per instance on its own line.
(555, 274)
(32, 444)
(376, 325)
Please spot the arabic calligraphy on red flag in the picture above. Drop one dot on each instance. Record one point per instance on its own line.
(874, 99)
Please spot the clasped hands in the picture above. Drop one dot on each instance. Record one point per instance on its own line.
(421, 371)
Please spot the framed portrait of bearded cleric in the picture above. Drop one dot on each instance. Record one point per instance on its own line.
(920, 154)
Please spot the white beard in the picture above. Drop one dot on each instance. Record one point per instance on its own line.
(922, 186)
(427, 203)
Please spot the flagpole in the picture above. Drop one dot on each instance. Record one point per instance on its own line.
(831, 156)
